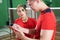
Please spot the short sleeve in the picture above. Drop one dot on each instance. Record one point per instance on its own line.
(31, 23)
(49, 22)
(16, 21)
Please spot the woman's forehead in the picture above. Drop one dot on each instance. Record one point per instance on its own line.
(20, 8)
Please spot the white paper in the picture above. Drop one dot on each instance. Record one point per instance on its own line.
(21, 29)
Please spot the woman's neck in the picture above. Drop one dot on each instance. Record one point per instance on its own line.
(25, 19)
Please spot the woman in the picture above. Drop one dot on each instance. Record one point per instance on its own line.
(24, 21)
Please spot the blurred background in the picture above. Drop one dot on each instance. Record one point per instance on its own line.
(8, 15)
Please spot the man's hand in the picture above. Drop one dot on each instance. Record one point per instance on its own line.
(22, 36)
(32, 31)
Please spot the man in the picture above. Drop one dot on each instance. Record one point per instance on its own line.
(46, 23)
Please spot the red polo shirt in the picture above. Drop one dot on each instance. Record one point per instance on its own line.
(46, 21)
(30, 24)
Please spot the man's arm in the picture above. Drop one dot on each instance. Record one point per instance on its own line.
(46, 34)
(22, 36)
(20, 33)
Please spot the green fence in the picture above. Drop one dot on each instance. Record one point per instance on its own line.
(6, 4)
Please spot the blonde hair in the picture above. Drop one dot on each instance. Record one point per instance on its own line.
(24, 6)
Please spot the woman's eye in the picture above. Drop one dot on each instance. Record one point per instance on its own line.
(22, 9)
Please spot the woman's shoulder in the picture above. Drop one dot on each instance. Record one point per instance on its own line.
(32, 19)
(18, 19)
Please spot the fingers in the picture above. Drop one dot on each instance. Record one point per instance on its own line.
(32, 31)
